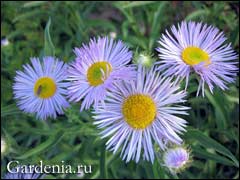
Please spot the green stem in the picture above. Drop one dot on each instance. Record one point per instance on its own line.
(103, 168)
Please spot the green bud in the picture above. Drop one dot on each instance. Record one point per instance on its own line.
(144, 59)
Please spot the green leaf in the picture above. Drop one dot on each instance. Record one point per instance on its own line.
(101, 24)
(49, 49)
(137, 4)
(156, 24)
(234, 37)
(30, 14)
(80, 24)
(131, 18)
(52, 141)
(9, 110)
(208, 142)
(33, 4)
(199, 152)
(103, 164)
(138, 41)
(11, 142)
(219, 111)
(232, 99)
(194, 15)
(125, 30)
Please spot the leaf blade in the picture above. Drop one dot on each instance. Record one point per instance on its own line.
(208, 142)
(49, 49)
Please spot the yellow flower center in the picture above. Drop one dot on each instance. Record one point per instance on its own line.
(45, 87)
(98, 73)
(139, 110)
(194, 55)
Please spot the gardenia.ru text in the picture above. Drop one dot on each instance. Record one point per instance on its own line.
(62, 168)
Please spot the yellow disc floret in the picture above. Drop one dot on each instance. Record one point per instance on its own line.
(139, 110)
(45, 87)
(98, 72)
(194, 55)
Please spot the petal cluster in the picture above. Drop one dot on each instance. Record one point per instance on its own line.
(104, 50)
(25, 81)
(165, 127)
(220, 68)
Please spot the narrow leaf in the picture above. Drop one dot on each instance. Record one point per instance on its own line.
(197, 14)
(33, 4)
(137, 4)
(52, 141)
(208, 142)
(199, 152)
(103, 169)
(49, 49)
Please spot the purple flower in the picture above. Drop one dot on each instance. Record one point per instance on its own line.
(136, 114)
(176, 158)
(97, 66)
(4, 42)
(199, 48)
(40, 88)
(21, 175)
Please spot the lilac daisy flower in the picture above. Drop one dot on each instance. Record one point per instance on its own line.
(40, 88)
(136, 114)
(176, 158)
(4, 42)
(199, 48)
(96, 68)
(16, 174)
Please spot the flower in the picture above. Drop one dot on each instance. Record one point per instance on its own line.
(41, 88)
(81, 174)
(135, 114)
(4, 42)
(20, 175)
(96, 68)
(176, 158)
(199, 48)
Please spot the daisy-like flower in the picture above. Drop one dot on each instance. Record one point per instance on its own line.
(138, 114)
(96, 68)
(41, 89)
(16, 174)
(196, 47)
(4, 42)
(176, 158)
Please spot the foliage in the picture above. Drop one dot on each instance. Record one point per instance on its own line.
(37, 28)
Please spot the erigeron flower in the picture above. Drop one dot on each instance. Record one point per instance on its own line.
(198, 48)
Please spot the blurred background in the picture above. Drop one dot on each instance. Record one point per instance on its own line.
(213, 131)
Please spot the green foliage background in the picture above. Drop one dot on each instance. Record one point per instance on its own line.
(213, 131)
